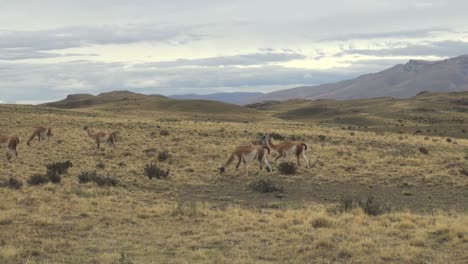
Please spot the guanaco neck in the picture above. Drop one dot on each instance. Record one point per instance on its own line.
(89, 133)
(270, 144)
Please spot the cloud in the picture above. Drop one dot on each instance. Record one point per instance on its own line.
(31, 44)
(439, 48)
(38, 82)
(27, 53)
(417, 33)
(239, 60)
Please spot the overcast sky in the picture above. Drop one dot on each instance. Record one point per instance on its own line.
(49, 49)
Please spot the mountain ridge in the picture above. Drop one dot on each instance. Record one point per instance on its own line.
(399, 81)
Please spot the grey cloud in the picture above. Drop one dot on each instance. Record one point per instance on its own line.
(45, 81)
(72, 37)
(440, 48)
(241, 60)
(418, 33)
(27, 53)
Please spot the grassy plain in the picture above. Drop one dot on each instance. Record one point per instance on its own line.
(199, 216)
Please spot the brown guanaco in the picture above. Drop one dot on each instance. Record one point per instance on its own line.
(247, 154)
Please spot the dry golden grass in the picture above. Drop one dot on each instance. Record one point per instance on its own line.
(164, 221)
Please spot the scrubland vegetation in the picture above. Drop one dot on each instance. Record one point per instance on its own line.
(371, 196)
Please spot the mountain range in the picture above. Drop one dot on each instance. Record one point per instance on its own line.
(232, 98)
(400, 81)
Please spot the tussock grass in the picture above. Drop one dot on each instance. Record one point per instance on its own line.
(141, 222)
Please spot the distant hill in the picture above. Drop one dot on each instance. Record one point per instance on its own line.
(426, 108)
(400, 81)
(86, 100)
(125, 102)
(233, 98)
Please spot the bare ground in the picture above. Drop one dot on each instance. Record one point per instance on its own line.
(417, 197)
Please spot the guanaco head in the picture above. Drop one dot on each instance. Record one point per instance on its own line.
(49, 132)
(265, 139)
(222, 170)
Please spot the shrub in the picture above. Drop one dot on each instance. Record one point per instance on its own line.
(371, 207)
(100, 180)
(12, 183)
(287, 168)
(264, 186)
(276, 136)
(164, 132)
(322, 137)
(121, 164)
(59, 167)
(154, 171)
(464, 172)
(53, 177)
(423, 150)
(346, 204)
(449, 140)
(37, 179)
(100, 165)
(368, 204)
(321, 222)
(164, 155)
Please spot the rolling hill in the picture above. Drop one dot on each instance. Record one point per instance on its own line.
(400, 81)
(438, 112)
(125, 102)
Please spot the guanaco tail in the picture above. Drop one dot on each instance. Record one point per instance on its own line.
(101, 137)
(287, 148)
(10, 143)
(247, 154)
(41, 133)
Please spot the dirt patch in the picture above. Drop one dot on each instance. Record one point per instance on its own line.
(419, 197)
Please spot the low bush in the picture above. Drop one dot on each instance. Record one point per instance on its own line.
(424, 150)
(12, 183)
(100, 180)
(322, 222)
(59, 168)
(38, 179)
(154, 171)
(100, 165)
(164, 133)
(368, 204)
(53, 177)
(163, 155)
(287, 168)
(265, 186)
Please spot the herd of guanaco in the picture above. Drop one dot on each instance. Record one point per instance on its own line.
(243, 154)
(43, 134)
(259, 153)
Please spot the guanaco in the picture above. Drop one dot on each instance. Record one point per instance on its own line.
(287, 148)
(42, 133)
(247, 154)
(10, 143)
(101, 137)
